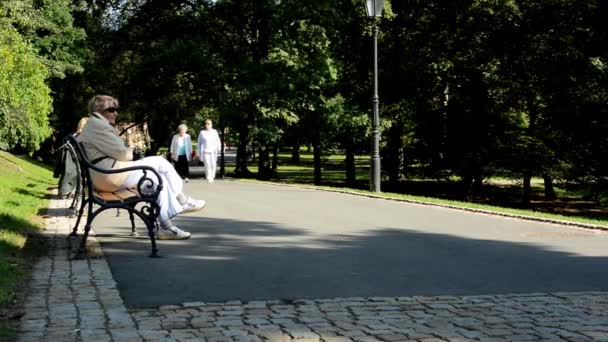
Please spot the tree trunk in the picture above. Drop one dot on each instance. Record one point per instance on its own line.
(241, 169)
(317, 157)
(527, 189)
(477, 180)
(295, 153)
(404, 162)
(394, 149)
(549, 190)
(467, 185)
(263, 163)
(275, 158)
(349, 161)
(260, 163)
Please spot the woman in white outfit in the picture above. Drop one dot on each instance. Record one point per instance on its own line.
(181, 152)
(209, 145)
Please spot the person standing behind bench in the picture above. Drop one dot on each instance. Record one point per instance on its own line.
(181, 151)
(107, 150)
(209, 145)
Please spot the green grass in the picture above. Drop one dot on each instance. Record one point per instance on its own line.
(461, 204)
(23, 195)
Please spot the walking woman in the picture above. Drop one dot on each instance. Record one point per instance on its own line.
(209, 145)
(181, 152)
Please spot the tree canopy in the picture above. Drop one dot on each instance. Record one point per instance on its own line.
(468, 89)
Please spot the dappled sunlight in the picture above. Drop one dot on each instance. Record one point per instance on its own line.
(11, 239)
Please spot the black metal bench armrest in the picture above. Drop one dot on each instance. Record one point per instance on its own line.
(145, 186)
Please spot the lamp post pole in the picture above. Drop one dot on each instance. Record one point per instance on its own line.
(375, 157)
(373, 9)
(222, 96)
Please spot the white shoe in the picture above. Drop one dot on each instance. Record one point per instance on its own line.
(172, 233)
(186, 180)
(194, 205)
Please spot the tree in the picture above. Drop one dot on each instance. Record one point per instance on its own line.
(46, 46)
(24, 95)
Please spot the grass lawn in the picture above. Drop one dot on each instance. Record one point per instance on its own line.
(23, 196)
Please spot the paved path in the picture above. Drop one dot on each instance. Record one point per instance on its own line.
(78, 301)
(259, 242)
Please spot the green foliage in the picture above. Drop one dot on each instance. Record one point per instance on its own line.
(49, 27)
(38, 43)
(467, 88)
(24, 95)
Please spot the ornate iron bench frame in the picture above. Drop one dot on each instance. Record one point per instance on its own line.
(147, 192)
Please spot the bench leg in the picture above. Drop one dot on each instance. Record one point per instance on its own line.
(74, 232)
(133, 231)
(82, 250)
(151, 228)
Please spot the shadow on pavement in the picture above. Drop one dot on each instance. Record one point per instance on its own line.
(250, 260)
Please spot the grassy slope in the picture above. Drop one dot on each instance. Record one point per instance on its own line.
(23, 196)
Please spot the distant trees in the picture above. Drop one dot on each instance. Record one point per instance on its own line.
(468, 89)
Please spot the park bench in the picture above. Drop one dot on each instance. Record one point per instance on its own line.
(140, 201)
(77, 191)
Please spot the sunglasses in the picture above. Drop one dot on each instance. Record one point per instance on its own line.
(111, 110)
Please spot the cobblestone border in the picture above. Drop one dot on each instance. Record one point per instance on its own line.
(440, 205)
(73, 300)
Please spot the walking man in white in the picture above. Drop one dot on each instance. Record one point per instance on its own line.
(209, 144)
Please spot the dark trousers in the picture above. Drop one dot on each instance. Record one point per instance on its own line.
(181, 166)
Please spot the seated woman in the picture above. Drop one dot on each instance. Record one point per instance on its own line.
(107, 150)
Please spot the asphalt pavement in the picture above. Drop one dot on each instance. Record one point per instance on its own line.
(260, 242)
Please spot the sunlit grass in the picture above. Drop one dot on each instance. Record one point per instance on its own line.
(23, 195)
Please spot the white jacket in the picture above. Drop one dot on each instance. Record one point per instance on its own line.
(208, 141)
(100, 139)
(175, 146)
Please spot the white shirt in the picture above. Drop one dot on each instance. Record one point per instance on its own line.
(209, 141)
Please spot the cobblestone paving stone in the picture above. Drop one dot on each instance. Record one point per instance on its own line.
(77, 300)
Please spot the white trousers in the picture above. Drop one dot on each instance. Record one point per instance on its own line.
(210, 160)
(172, 184)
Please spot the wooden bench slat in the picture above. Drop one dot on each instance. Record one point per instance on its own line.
(126, 193)
(119, 195)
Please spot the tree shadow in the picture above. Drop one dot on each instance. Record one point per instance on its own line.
(36, 194)
(254, 260)
(13, 223)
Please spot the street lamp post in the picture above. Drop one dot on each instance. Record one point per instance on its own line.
(222, 98)
(374, 8)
